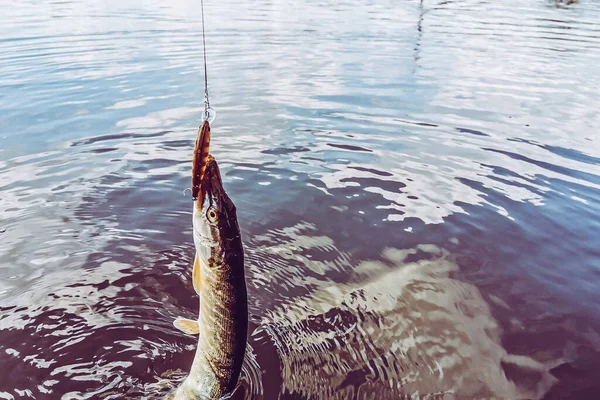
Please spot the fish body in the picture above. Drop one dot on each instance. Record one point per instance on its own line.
(219, 279)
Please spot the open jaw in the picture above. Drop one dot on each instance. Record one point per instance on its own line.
(214, 195)
(211, 186)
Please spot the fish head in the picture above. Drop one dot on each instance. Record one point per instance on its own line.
(216, 231)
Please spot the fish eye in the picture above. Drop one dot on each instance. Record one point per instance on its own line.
(212, 215)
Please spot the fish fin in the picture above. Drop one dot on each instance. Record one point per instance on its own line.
(187, 326)
(196, 281)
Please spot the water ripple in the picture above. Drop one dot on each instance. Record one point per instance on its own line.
(467, 125)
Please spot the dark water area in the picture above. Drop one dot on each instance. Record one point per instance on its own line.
(417, 185)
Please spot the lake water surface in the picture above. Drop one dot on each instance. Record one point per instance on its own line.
(417, 184)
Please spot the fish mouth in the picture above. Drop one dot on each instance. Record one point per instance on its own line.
(212, 185)
(213, 209)
(212, 172)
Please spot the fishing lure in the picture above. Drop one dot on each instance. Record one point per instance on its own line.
(199, 161)
(203, 140)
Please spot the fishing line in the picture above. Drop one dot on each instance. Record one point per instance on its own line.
(209, 113)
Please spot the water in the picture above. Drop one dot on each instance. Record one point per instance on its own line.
(417, 185)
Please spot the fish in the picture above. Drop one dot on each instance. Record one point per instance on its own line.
(218, 278)
(199, 160)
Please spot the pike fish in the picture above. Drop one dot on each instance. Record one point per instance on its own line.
(218, 278)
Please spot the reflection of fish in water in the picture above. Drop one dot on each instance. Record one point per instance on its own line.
(408, 331)
(218, 278)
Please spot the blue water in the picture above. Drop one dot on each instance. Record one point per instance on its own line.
(417, 185)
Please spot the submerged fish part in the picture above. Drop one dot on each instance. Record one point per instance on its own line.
(199, 160)
(223, 317)
(403, 327)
